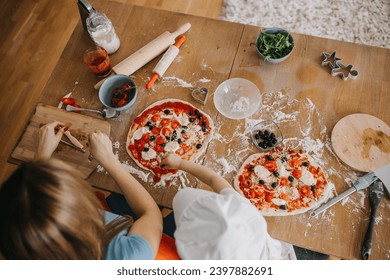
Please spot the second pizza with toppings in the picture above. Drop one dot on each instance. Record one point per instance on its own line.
(282, 183)
(169, 125)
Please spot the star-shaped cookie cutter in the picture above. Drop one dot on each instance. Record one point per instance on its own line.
(330, 59)
(344, 71)
(337, 67)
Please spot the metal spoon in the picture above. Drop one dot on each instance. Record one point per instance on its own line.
(376, 193)
(106, 113)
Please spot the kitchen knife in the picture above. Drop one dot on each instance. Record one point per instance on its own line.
(65, 96)
(383, 173)
(73, 146)
(148, 52)
(361, 184)
(73, 140)
(375, 196)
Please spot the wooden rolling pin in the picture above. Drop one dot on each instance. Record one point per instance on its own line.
(148, 52)
(165, 61)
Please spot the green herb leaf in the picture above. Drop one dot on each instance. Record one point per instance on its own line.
(276, 45)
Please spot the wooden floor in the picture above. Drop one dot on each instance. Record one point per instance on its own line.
(32, 38)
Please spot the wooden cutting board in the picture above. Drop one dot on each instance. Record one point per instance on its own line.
(362, 141)
(79, 126)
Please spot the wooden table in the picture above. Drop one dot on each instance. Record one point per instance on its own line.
(297, 91)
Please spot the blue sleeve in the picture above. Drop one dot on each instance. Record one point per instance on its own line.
(127, 247)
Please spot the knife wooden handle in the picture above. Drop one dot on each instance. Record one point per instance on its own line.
(367, 243)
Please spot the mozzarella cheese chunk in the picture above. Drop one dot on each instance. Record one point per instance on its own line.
(263, 173)
(278, 201)
(139, 132)
(183, 119)
(307, 178)
(171, 146)
(282, 170)
(151, 154)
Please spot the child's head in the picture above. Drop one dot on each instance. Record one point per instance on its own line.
(215, 226)
(47, 211)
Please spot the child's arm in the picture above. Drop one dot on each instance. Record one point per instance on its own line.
(206, 175)
(149, 219)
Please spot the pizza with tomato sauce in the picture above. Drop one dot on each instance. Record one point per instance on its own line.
(281, 183)
(169, 125)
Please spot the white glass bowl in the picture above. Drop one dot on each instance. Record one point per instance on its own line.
(237, 98)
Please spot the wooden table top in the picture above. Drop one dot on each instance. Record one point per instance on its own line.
(299, 93)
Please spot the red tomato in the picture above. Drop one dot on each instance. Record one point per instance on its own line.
(68, 101)
(165, 122)
(178, 111)
(121, 103)
(146, 137)
(156, 130)
(139, 145)
(155, 117)
(158, 149)
(294, 163)
(269, 196)
(185, 147)
(126, 86)
(166, 131)
(304, 191)
(175, 124)
(283, 196)
(160, 140)
(283, 181)
(260, 192)
(297, 173)
(270, 165)
(247, 183)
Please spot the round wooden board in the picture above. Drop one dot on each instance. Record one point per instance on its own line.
(362, 141)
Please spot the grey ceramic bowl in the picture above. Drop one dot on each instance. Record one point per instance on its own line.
(113, 82)
(275, 30)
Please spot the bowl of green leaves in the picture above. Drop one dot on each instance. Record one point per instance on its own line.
(274, 44)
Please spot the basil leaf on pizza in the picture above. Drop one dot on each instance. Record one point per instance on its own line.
(281, 183)
(169, 125)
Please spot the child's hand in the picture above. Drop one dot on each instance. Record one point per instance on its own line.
(171, 160)
(49, 137)
(100, 146)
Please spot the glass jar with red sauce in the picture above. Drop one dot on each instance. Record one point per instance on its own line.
(98, 61)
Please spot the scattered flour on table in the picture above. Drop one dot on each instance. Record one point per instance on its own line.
(116, 145)
(181, 82)
(227, 168)
(142, 175)
(204, 80)
(204, 65)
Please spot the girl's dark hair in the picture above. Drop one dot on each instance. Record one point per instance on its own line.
(47, 211)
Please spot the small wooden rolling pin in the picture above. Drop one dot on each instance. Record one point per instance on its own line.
(165, 61)
(148, 52)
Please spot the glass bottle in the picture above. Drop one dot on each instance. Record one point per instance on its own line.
(102, 32)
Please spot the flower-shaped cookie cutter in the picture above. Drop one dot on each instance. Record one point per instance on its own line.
(337, 67)
(344, 71)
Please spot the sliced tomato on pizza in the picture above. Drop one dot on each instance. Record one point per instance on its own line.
(282, 182)
(169, 125)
